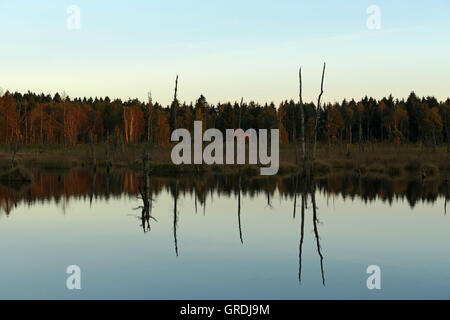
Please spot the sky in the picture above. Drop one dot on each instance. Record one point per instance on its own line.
(226, 50)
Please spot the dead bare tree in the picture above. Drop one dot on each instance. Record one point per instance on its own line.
(149, 118)
(302, 123)
(294, 133)
(146, 196)
(317, 121)
(175, 105)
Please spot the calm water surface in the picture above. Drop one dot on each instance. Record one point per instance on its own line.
(222, 243)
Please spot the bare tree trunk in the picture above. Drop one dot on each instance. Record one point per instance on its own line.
(294, 134)
(317, 121)
(302, 123)
(175, 104)
(150, 119)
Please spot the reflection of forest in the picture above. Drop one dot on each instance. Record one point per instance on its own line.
(85, 184)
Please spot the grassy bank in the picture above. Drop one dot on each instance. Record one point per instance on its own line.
(375, 159)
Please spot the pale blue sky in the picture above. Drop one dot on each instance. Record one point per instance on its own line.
(226, 49)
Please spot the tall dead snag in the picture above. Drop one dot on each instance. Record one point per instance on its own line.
(175, 105)
(317, 121)
(294, 133)
(148, 149)
(302, 123)
(149, 118)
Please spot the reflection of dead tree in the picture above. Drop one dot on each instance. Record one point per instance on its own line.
(175, 217)
(93, 183)
(239, 206)
(269, 204)
(144, 190)
(295, 194)
(302, 236)
(268, 200)
(146, 208)
(240, 178)
(316, 232)
(195, 198)
(445, 206)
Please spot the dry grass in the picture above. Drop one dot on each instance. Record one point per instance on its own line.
(390, 160)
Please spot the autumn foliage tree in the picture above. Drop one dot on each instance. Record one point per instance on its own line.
(59, 120)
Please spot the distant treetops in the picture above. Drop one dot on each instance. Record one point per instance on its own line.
(41, 119)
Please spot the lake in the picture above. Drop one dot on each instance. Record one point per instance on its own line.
(223, 237)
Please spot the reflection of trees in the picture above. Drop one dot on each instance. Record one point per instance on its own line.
(84, 183)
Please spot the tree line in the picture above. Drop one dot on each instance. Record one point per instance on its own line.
(31, 118)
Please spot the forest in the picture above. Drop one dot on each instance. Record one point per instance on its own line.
(33, 119)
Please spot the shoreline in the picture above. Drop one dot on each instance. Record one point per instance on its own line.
(377, 159)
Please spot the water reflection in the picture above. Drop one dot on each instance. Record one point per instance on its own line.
(302, 207)
(308, 189)
(85, 183)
